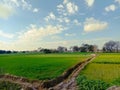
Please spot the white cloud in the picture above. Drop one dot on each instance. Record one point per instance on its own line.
(60, 20)
(92, 24)
(35, 33)
(65, 1)
(19, 3)
(51, 44)
(25, 5)
(110, 8)
(70, 34)
(55, 44)
(35, 10)
(71, 8)
(6, 35)
(63, 20)
(55, 37)
(15, 2)
(8, 7)
(118, 1)
(60, 6)
(76, 22)
(51, 16)
(67, 8)
(90, 2)
(66, 20)
(5, 11)
(32, 38)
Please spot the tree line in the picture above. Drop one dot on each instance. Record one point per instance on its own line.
(110, 46)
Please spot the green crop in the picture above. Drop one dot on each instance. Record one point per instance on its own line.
(104, 68)
(38, 66)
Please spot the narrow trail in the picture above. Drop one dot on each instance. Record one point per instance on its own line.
(70, 83)
(64, 82)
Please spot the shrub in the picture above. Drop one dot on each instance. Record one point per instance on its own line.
(86, 84)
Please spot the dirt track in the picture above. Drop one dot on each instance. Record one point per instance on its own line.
(70, 83)
(64, 82)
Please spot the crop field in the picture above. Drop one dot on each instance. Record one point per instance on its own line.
(104, 71)
(38, 66)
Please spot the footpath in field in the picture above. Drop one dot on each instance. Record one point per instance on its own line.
(70, 82)
(64, 82)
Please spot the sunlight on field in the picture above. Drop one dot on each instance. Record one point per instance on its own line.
(102, 72)
(108, 58)
(106, 72)
(105, 67)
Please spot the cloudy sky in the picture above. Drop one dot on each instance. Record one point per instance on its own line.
(29, 24)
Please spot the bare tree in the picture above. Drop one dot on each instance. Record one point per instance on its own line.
(111, 46)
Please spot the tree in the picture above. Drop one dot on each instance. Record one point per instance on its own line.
(74, 49)
(46, 51)
(62, 49)
(111, 46)
(84, 48)
(93, 48)
(88, 48)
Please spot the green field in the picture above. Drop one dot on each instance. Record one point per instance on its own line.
(39, 66)
(101, 73)
(104, 71)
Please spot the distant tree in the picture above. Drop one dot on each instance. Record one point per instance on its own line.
(46, 51)
(74, 49)
(5, 52)
(88, 48)
(8, 52)
(14, 51)
(61, 49)
(93, 48)
(2, 51)
(84, 48)
(111, 46)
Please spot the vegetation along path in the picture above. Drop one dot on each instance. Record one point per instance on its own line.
(64, 82)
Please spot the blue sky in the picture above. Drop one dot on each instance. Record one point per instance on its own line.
(29, 24)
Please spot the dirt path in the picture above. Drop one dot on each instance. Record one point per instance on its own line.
(64, 82)
(70, 83)
(114, 88)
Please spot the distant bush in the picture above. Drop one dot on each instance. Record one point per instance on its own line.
(86, 84)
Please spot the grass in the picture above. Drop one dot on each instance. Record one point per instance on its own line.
(104, 68)
(38, 66)
(108, 58)
(105, 72)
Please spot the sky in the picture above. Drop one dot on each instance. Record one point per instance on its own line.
(30, 24)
